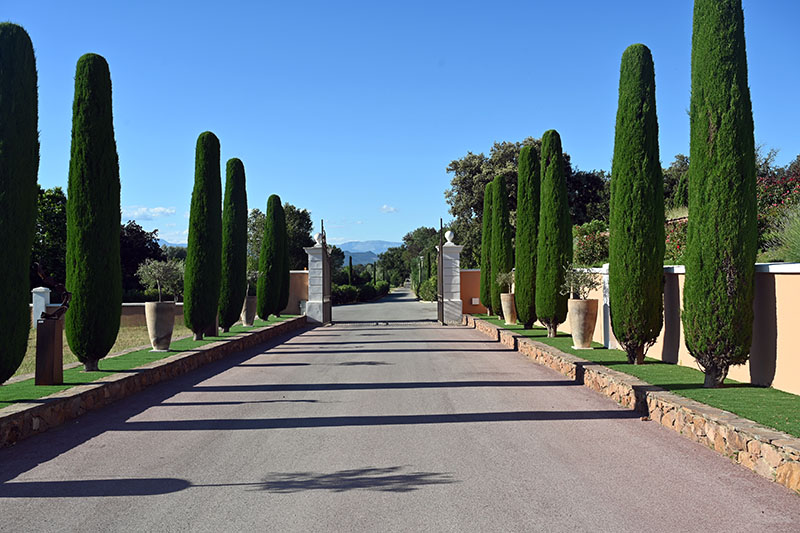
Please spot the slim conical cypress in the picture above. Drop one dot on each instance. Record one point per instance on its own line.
(502, 250)
(233, 284)
(637, 242)
(722, 231)
(270, 261)
(19, 164)
(350, 270)
(283, 297)
(554, 246)
(204, 252)
(527, 227)
(94, 269)
(486, 249)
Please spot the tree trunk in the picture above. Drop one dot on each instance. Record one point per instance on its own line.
(198, 336)
(552, 330)
(635, 355)
(715, 376)
(90, 366)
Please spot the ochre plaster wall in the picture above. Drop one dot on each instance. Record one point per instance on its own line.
(471, 288)
(298, 290)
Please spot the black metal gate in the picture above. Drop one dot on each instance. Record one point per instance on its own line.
(440, 276)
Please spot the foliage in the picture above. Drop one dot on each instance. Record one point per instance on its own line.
(528, 183)
(166, 276)
(135, 246)
(204, 252)
(591, 243)
(676, 183)
(94, 270)
(502, 248)
(636, 253)
(50, 240)
(19, 165)
(393, 266)
(589, 193)
(174, 252)
(233, 281)
(270, 276)
(336, 255)
(486, 248)
(367, 292)
(579, 282)
(382, 288)
(675, 241)
(789, 239)
(554, 246)
(298, 232)
(428, 290)
(504, 280)
(343, 294)
(256, 220)
(722, 232)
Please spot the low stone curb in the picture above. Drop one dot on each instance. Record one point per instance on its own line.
(765, 451)
(23, 420)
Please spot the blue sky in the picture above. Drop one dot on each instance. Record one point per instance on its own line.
(354, 109)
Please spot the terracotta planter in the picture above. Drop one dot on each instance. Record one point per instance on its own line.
(582, 320)
(509, 308)
(160, 317)
(249, 310)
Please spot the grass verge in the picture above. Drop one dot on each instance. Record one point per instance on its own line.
(767, 406)
(26, 391)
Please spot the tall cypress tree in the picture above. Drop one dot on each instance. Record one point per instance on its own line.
(636, 251)
(502, 250)
(94, 269)
(283, 297)
(350, 270)
(554, 246)
(722, 232)
(527, 226)
(204, 252)
(19, 165)
(270, 261)
(233, 284)
(486, 249)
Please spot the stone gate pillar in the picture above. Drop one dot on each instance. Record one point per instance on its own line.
(451, 270)
(318, 306)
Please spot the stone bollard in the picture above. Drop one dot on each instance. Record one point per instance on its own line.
(49, 351)
(451, 272)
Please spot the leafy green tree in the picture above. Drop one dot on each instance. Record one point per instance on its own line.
(174, 252)
(554, 244)
(271, 260)
(204, 252)
(233, 283)
(136, 246)
(636, 248)
(394, 268)
(256, 221)
(298, 231)
(283, 296)
(19, 165)
(527, 229)
(502, 249)
(486, 248)
(94, 269)
(676, 183)
(336, 255)
(50, 241)
(722, 232)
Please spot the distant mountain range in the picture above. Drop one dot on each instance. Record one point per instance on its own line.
(376, 247)
(162, 242)
(360, 258)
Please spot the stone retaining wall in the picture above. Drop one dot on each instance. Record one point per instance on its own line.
(768, 452)
(20, 421)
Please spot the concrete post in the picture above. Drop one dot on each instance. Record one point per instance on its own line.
(41, 299)
(49, 352)
(451, 272)
(315, 306)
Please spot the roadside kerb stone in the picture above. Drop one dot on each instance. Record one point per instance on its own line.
(22, 420)
(766, 451)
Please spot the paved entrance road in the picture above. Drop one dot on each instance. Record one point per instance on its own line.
(393, 428)
(400, 305)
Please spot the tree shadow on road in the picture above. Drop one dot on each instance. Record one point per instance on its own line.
(391, 479)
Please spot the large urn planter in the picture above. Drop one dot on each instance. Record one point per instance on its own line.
(249, 310)
(160, 317)
(509, 308)
(582, 320)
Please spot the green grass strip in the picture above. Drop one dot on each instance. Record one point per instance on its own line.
(765, 405)
(26, 391)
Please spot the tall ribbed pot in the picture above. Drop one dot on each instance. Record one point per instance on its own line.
(509, 308)
(582, 320)
(160, 317)
(249, 310)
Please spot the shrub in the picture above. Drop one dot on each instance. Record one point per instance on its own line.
(636, 255)
(271, 260)
(722, 232)
(233, 283)
(428, 290)
(789, 239)
(94, 269)
(382, 287)
(19, 165)
(162, 276)
(502, 250)
(366, 293)
(343, 294)
(527, 226)
(204, 251)
(486, 249)
(554, 243)
(675, 241)
(591, 243)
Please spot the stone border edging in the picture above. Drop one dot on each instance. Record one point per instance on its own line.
(23, 420)
(767, 452)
